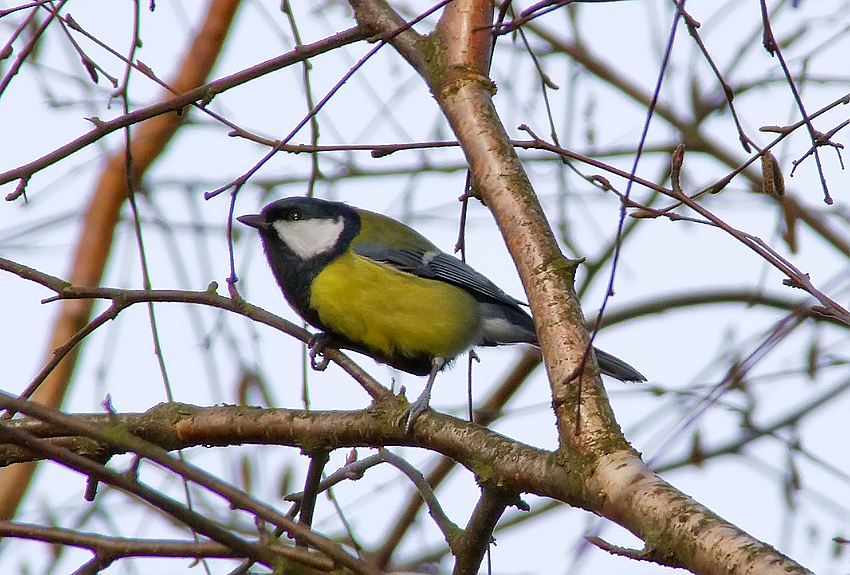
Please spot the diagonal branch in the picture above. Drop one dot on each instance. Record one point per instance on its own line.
(196, 95)
(124, 298)
(617, 483)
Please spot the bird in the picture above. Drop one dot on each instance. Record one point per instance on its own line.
(373, 285)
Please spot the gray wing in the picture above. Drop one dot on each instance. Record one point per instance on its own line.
(437, 265)
(504, 320)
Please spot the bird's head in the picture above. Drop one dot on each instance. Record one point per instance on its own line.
(305, 228)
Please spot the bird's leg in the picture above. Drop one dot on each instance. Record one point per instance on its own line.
(422, 402)
(318, 342)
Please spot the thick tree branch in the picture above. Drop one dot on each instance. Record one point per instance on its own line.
(478, 535)
(119, 437)
(456, 72)
(617, 484)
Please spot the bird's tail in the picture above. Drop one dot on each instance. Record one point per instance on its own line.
(506, 324)
(616, 367)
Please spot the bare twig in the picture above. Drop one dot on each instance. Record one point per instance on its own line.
(208, 297)
(200, 94)
(797, 277)
(772, 46)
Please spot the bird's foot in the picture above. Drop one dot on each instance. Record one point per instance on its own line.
(414, 410)
(318, 342)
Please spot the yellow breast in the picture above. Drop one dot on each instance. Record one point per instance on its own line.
(393, 312)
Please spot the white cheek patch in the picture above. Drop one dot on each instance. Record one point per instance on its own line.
(309, 238)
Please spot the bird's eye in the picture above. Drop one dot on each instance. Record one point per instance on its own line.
(294, 216)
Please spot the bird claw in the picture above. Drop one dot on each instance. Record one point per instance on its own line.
(411, 413)
(417, 408)
(318, 342)
(422, 403)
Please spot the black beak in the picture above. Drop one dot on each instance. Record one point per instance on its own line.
(254, 220)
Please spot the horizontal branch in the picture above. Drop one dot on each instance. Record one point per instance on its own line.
(634, 492)
(175, 426)
(108, 549)
(119, 438)
(115, 547)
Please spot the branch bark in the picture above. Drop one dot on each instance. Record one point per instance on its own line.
(615, 481)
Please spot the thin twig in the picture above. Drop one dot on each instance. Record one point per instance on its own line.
(208, 298)
(203, 93)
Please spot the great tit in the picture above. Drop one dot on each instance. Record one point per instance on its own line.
(376, 286)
